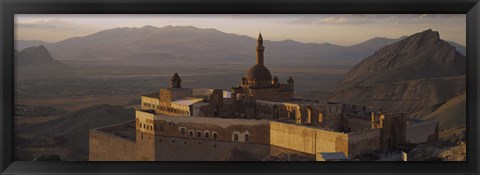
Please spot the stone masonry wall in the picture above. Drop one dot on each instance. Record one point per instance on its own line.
(107, 147)
(271, 94)
(307, 140)
(190, 149)
(328, 141)
(363, 142)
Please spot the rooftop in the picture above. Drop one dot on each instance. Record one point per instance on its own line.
(124, 130)
(290, 102)
(222, 122)
(187, 101)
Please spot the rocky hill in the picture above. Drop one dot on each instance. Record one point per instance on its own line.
(419, 72)
(422, 55)
(36, 57)
(37, 61)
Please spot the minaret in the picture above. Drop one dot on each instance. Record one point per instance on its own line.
(290, 82)
(260, 49)
(275, 80)
(176, 81)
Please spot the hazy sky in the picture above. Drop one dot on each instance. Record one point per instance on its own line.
(341, 29)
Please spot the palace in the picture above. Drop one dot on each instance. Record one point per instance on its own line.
(258, 118)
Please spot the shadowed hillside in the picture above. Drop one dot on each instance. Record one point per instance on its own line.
(419, 72)
(450, 114)
(75, 126)
(422, 55)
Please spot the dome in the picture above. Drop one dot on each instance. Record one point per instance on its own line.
(258, 72)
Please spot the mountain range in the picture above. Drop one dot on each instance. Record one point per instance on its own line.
(190, 45)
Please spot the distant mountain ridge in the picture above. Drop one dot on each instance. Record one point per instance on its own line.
(191, 45)
(419, 72)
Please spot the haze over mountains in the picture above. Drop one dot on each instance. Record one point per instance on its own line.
(415, 75)
(190, 45)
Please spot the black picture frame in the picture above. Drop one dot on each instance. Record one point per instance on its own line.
(10, 7)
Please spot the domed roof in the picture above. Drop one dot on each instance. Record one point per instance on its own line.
(258, 72)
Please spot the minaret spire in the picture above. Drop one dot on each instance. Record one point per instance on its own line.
(260, 49)
(175, 81)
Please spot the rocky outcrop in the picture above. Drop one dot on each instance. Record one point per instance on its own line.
(410, 75)
(422, 55)
(36, 58)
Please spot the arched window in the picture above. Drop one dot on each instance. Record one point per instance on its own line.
(215, 135)
(235, 137)
(247, 137)
(190, 133)
(275, 112)
(199, 134)
(183, 130)
(292, 114)
(207, 134)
